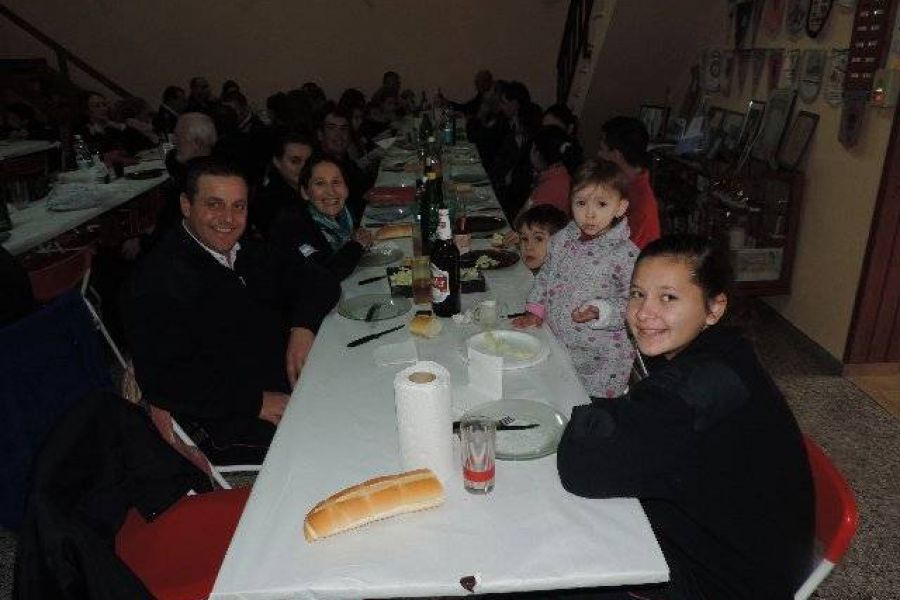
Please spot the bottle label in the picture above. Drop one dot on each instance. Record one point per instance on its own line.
(440, 284)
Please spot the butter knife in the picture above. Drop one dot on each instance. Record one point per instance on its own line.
(372, 336)
(372, 279)
(500, 427)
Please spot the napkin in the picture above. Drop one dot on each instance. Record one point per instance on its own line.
(395, 354)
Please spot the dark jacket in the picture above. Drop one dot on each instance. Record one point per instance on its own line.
(295, 232)
(709, 446)
(208, 340)
(102, 458)
(271, 199)
(17, 299)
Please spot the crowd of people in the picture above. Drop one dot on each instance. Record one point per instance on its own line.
(262, 221)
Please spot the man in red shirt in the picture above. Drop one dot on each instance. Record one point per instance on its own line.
(625, 143)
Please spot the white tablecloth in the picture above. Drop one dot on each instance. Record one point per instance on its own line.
(34, 225)
(340, 428)
(16, 148)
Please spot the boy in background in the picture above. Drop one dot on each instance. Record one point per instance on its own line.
(535, 227)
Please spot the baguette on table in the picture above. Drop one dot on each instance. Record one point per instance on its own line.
(396, 230)
(373, 500)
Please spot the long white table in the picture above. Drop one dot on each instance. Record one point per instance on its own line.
(340, 429)
(35, 224)
(15, 148)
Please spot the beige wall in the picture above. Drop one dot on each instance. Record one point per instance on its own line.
(649, 47)
(270, 45)
(841, 189)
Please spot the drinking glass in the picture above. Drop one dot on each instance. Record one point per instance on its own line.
(478, 437)
(421, 280)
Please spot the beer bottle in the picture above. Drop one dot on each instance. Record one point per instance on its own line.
(432, 160)
(445, 296)
(425, 220)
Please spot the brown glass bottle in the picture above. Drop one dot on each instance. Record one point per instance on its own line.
(445, 293)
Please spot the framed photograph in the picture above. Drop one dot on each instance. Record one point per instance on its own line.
(775, 118)
(714, 117)
(731, 131)
(750, 126)
(795, 143)
(654, 119)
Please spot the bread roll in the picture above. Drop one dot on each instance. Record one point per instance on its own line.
(373, 500)
(425, 325)
(397, 230)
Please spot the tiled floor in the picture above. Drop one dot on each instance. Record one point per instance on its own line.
(860, 436)
(884, 389)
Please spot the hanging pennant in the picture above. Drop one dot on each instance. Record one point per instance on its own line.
(796, 17)
(712, 63)
(743, 65)
(837, 70)
(727, 71)
(743, 19)
(817, 16)
(852, 115)
(773, 17)
(776, 59)
(790, 69)
(846, 3)
(813, 71)
(758, 63)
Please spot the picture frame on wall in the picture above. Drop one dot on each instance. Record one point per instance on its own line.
(796, 141)
(750, 127)
(778, 111)
(654, 118)
(731, 131)
(714, 117)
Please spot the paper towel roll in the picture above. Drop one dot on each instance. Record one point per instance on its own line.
(424, 421)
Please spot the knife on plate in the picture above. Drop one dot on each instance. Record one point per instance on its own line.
(372, 336)
(372, 279)
(502, 427)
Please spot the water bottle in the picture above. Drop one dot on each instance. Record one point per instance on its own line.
(83, 158)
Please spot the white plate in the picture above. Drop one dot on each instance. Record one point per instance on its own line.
(518, 349)
(523, 444)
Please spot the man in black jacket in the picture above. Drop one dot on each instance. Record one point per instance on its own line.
(219, 328)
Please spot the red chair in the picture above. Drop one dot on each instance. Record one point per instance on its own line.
(178, 555)
(71, 271)
(837, 516)
(66, 273)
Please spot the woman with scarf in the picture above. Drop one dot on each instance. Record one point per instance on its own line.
(320, 227)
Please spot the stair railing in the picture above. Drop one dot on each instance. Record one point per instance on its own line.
(574, 46)
(63, 55)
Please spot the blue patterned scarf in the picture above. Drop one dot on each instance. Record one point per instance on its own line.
(338, 230)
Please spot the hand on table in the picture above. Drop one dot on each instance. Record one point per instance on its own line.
(511, 238)
(298, 348)
(529, 320)
(273, 406)
(585, 313)
(363, 237)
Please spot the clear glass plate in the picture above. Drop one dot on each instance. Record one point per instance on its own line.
(382, 306)
(380, 255)
(390, 214)
(524, 444)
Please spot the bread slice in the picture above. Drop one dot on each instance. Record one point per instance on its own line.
(396, 230)
(372, 500)
(425, 326)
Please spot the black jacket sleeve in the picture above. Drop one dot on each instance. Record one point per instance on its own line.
(632, 446)
(311, 290)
